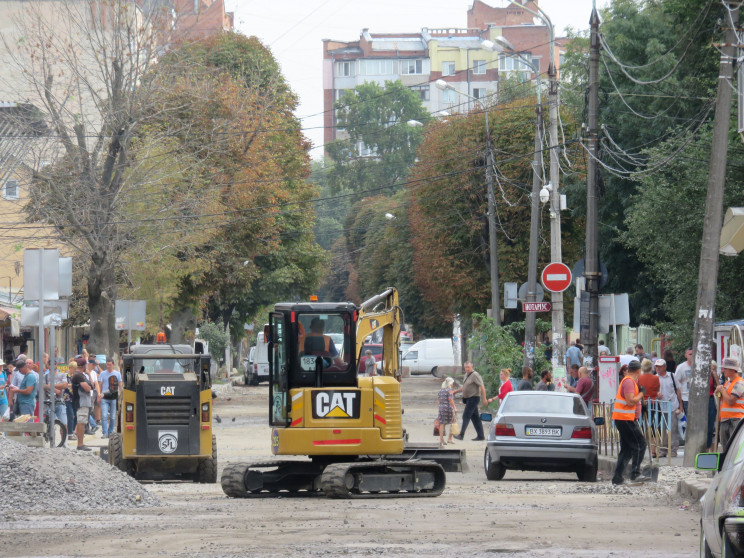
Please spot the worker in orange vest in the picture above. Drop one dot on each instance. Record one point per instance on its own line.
(732, 399)
(625, 414)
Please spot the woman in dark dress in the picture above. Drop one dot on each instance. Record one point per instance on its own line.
(447, 411)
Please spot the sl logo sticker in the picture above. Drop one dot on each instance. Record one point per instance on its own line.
(336, 404)
(168, 440)
(168, 390)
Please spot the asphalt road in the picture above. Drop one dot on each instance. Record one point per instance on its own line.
(526, 514)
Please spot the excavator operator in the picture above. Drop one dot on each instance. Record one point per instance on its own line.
(319, 344)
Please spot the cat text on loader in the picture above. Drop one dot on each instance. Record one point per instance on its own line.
(164, 427)
(350, 427)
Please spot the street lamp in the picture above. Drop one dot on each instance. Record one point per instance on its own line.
(559, 341)
(543, 195)
(492, 245)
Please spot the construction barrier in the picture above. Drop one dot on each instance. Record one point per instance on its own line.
(656, 423)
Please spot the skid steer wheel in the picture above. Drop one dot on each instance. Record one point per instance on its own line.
(206, 470)
(116, 455)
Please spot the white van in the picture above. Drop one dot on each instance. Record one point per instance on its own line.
(425, 356)
(260, 365)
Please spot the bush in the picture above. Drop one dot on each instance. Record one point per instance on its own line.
(217, 338)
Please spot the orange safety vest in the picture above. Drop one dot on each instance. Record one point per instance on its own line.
(623, 410)
(326, 343)
(737, 409)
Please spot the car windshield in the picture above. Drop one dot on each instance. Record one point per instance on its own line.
(542, 403)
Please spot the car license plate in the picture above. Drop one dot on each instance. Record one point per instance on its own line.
(542, 431)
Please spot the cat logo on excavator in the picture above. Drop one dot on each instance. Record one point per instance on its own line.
(333, 404)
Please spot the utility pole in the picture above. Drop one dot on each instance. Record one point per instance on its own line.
(492, 243)
(592, 273)
(559, 335)
(708, 271)
(531, 317)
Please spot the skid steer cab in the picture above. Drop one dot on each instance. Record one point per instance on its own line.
(164, 427)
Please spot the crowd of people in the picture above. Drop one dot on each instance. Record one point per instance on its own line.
(649, 387)
(86, 392)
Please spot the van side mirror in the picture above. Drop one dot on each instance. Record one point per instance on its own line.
(599, 421)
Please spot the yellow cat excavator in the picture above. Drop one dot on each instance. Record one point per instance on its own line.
(350, 427)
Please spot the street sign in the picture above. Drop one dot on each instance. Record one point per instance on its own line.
(556, 277)
(536, 307)
(539, 292)
(510, 295)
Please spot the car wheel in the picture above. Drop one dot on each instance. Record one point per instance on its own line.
(588, 473)
(434, 371)
(494, 471)
(704, 548)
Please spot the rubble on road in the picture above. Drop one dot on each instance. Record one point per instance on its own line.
(64, 480)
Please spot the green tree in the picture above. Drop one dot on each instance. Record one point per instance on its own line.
(651, 39)
(447, 211)
(669, 245)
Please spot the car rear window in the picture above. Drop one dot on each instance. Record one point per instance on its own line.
(543, 403)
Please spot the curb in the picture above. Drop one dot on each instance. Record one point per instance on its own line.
(693, 489)
(607, 468)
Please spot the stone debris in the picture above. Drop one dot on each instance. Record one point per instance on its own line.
(64, 480)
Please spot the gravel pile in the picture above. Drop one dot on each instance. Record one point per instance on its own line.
(43, 479)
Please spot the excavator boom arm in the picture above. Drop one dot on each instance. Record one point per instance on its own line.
(381, 312)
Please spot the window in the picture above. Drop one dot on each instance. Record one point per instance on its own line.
(536, 64)
(448, 68)
(411, 66)
(345, 68)
(375, 67)
(10, 189)
(480, 92)
(422, 91)
(479, 67)
(513, 63)
(449, 96)
(364, 150)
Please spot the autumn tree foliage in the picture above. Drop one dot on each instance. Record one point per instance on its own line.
(251, 161)
(448, 204)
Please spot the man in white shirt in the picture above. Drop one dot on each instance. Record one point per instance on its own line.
(682, 376)
(628, 356)
(669, 392)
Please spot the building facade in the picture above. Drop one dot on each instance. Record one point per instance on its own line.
(456, 55)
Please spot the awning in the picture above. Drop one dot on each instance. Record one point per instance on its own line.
(732, 233)
(6, 312)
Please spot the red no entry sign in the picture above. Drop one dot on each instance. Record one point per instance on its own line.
(536, 307)
(556, 277)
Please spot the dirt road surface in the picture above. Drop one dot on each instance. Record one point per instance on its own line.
(526, 514)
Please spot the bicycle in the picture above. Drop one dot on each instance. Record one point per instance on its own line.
(60, 430)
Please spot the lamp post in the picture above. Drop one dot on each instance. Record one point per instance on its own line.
(537, 179)
(492, 245)
(559, 341)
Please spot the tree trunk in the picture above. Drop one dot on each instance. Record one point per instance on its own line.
(182, 321)
(101, 297)
(697, 420)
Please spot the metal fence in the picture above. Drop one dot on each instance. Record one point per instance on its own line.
(656, 422)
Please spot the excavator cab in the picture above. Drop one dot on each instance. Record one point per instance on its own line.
(310, 345)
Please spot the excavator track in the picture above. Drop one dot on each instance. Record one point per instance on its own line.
(383, 479)
(359, 479)
(269, 478)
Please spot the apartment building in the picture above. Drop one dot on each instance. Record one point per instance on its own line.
(456, 55)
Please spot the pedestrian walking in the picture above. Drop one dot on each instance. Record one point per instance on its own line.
(669, 393)
(447, 411)
(472, 390)
(625, 414)
(506, 385)
(110, 382)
